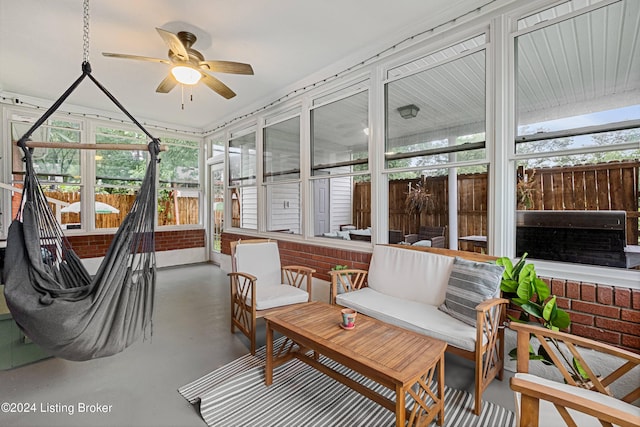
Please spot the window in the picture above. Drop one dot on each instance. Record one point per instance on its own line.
(118, 175)
(578, 136)
(58, 169)
(340, 167)
(281, 157)
(435, 144)
(242, 181)
(179, 192)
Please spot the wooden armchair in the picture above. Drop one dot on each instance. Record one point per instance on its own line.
(577, 403)
(432, 236)
(259, 285)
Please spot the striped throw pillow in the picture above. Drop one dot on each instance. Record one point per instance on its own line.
(470, 283)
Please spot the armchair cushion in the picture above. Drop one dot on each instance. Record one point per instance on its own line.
(470, 283)
(261, 260)
(551, 415)
(278, 295)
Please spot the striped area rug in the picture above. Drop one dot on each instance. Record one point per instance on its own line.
(235, 395)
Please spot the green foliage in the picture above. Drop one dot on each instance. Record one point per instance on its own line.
(521, 284)
(339, 267)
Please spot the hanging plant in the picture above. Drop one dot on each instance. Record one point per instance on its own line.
(418, 199)
(525, 190)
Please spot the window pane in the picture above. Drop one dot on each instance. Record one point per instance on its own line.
(244, 207)
(282, 151)
(579, 74)
(51, 164)
(420, 203)
(112, 205)
(438, 115)
(242, 160)
(340, 136)
(179, 183)
(342, 207)
(284, 208)
(578, 119)
(117, 167)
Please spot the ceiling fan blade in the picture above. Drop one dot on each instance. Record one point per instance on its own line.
(217, 86)
(226, 67)
(167, 84)
(136, 57)
(174, 43)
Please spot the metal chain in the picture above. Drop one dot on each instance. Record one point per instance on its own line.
(85, 35)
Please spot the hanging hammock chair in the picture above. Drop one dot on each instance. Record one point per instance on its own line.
(52, 297)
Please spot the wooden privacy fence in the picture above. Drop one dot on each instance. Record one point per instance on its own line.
(171, 210)
(605, 186)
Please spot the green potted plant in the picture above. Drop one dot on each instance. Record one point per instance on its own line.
(522, 286)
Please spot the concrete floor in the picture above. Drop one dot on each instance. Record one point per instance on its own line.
(138, 387)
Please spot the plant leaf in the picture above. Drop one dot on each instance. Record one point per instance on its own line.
(549, 311)
(580, 369)
(519, 265)
(562, 319)
(508, 285)
(533, 309)
(541, 288)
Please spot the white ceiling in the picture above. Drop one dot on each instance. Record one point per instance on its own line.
(289, 43)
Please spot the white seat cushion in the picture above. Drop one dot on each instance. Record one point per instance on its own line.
(278, 296)
(549, 415)
(410, 314)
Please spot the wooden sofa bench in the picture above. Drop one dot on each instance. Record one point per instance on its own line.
(407, 286)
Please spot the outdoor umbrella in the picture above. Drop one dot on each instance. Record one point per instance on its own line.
(101, 208)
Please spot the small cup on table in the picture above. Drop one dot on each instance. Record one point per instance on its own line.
(348, 318)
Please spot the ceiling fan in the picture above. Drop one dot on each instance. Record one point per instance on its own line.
(188, 66)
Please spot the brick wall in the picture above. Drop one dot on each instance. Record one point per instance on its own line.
(319, 258)
(604, 313)
(92, 246)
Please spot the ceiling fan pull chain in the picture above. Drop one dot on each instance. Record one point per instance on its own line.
(85, 36)
(182, 90)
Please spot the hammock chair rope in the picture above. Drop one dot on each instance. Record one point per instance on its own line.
(49, 292)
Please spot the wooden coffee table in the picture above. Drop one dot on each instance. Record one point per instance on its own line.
(399, 359)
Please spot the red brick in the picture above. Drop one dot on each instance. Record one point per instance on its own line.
(597, 309)
(581, 318)
(563, 303)
(635, 299)
(557, 287)
(622, 297)
(631, 342)
(573, 290)
(605, 294)
(596, 334)
(618, 325)
(630, 316)
(588, 292)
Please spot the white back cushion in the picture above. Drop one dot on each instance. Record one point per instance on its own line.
(261, 260)
(410, 274)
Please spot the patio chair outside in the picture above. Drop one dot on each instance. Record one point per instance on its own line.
(606, 399)
(427, 236)
(259, 285)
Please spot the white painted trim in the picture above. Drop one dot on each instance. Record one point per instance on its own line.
(618, 277)
(163, 258)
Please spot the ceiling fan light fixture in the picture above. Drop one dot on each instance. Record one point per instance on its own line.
(186, 75)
